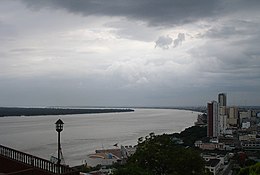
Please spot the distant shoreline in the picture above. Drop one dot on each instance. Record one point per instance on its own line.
(201, 109)
(19, 111)
(66, 110)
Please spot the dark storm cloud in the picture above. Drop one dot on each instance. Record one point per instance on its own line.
(233, 48)
(104, 62)
(233, 28)
(165, 12)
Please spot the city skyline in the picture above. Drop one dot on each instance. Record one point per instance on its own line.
(129, 53)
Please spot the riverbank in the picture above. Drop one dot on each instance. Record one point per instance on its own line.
(17, 111)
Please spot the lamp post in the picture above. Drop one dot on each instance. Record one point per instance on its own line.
(59, 127)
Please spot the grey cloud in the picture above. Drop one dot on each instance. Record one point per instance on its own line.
(179, 39)
(233, 54)
(132, 30)
(6, 30)
(24, 50)
(164, 42)
(226, 59)
(229, 64)
(154, 12)
(225, 31)
(233, 28)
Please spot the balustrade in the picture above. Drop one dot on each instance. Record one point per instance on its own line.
(35, 162)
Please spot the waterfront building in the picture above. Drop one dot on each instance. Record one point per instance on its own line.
(233, 112)
(222, 99)
(222, 110)
(222, 124)
(244, 116)
(232, 116)
(213, 119)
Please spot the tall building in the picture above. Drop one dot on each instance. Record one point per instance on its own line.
(222, 124)
(223, 116)
(233, 112)
(223, 110)
(213, 119)
(222, 99)
(232, 116)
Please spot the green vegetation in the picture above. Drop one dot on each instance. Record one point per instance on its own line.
(191, 134)
(159, 155)
(53, 111)
(86, 169)
(251, 170)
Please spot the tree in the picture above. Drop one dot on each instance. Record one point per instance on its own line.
(159, 155)
(251, 170)
(192, 134)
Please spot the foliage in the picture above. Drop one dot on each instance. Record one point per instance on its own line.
(132, 169)
(251, 170)
(86, 169)
(10, 111)
(159, 155)
(191, 134)
(250, 162)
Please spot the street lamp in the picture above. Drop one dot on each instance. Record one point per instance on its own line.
(59, 127)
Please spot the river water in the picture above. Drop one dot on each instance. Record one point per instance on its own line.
(84, 133)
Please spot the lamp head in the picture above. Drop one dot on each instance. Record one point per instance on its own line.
(59, 125)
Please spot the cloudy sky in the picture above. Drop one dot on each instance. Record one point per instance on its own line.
(129, 52)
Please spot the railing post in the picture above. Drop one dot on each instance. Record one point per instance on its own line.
(34, 161)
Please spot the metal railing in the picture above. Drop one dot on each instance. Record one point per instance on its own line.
(36, 162)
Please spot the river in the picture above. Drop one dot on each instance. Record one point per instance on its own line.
(84, 133)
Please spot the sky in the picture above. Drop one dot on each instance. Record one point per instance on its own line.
(129, 52)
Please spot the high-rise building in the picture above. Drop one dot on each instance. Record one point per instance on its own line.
(213, 119)
(233, 112)
(232, 116)
(222, 110)
(222, 99)
(222, 124)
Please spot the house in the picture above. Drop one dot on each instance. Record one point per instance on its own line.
(209, 145)
(250, 145)
(224, 158)
(214, 165)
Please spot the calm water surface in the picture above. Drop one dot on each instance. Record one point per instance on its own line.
(85, 133)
